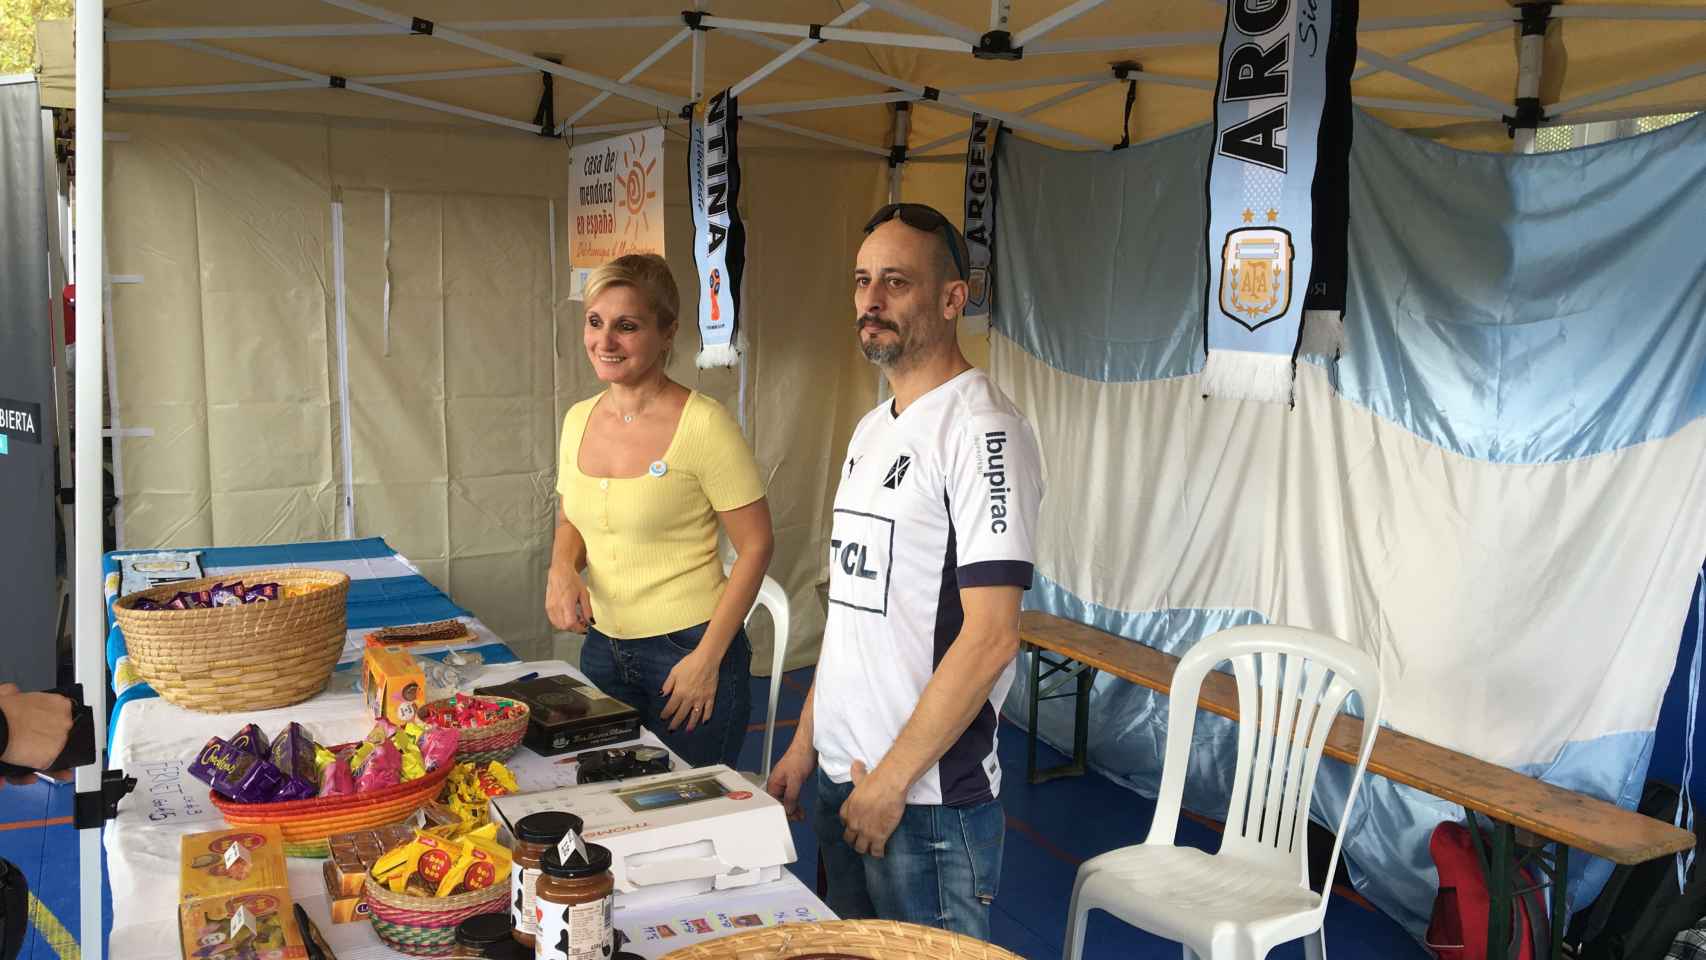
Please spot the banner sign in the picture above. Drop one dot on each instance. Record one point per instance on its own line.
(1284, 81)
(980, 213)
(615, 201)
(719, 237)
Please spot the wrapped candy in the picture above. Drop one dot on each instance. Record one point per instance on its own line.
(323, 760)
(252, 739)
(423, 864)
(146, 604)
(438, 747)
(226, 594)
(236, 774)
(480, 865)
(260, 593)
(293, 754)
(383, 767)
(496, 781)
(337, 780)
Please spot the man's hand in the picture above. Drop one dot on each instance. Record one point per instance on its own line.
(872, 810)
(567, 602)
(789, 775)
(37, 725)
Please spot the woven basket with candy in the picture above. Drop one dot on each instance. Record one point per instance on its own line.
(418, 893)
(491, 727)
(311, 792)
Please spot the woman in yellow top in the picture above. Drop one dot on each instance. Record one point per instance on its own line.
(648, 469)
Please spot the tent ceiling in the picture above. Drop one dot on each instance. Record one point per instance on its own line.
(1453, 91)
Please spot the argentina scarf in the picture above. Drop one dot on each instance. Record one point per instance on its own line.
(1277, 193)
(719, 238)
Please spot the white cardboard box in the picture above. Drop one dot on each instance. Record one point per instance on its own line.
(674, 834)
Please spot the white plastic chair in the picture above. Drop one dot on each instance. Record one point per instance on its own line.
(1253, 894)
(773, 598)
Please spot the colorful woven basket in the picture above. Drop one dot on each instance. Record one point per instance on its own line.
(497, 741)
(251, 656)
(426, 926)
(307, 823)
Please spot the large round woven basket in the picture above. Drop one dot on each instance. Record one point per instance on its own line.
(306, 824)
(426, 926)
(844, 940)
(251, 656)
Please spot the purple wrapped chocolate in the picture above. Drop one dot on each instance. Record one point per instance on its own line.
(227, 594)
(236, 774)
(252, 739)
(293, 755)
(146, 604)
(260, 593)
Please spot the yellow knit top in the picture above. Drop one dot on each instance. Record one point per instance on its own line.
(651, 541)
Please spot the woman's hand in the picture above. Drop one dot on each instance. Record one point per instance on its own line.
(692, 691)
(567, 602)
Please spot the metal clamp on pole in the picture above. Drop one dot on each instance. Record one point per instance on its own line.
(997, 45)
(96, 807)
(695, 20)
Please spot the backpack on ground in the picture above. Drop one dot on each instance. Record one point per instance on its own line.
(1641, 911)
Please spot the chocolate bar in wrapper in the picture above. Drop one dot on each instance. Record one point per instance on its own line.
(227, 594)
(236, 774)
(146, 604)
(260, 593)
(252, 739)
(293, 754)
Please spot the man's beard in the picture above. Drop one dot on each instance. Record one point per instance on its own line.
(882, 353)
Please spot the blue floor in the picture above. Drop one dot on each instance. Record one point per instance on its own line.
(1045, 844)
(1048, 836)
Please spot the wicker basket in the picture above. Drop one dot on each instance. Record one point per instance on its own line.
(253, 656)
(495, 742)
(869, 939)
(426, 926)
(306, 824)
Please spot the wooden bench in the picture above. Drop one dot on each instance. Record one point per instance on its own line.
(1521, 808)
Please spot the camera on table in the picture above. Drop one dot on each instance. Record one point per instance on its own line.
(620, 763)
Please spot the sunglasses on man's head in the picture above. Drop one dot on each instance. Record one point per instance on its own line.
(920, 217)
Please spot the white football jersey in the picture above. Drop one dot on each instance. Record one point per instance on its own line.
(941, 497)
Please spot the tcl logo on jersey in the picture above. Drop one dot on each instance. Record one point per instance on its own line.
(860, 545)
(995, 472)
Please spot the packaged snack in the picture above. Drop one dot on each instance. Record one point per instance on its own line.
(382, 768)
(438, 631)
(146, 604)
(211, 891)
(394, 684)
(422, 864)
(337, 779)
(260, 593)
(477, 868)
(227, 594)
(438, 746)
(236, 774)
(292, 752)
(254, 740)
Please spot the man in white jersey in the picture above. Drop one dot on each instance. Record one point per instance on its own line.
(932, 546)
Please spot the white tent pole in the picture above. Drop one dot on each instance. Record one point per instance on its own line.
(638, 69)
(119, 33)
(948, 102)
(1426, 79)
(815, 31)
(902, 131)
(1506, 15)
(1422, 106)
(623, 127)
(1030, 84)
(852, 13)
(1624, 90)
(355, 85)
(1530, 61)
(453, 36)
(90, 608)
(1037, 107)
(1000, 11)
(1589, 12)
(1628, 113)
(1144, 41)
(698, 86)
(1057, 19)
(815, 135)
(830, 103)
(928, 20)
(276, 85)
(1456, 39)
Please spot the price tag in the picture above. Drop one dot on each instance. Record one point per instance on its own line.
(572, 844)
(235, 853)
(242, 920)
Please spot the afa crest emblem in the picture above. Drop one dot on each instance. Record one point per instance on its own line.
(1255, 275)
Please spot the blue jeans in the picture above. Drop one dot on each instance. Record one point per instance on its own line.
(633, 671)
(940, 867)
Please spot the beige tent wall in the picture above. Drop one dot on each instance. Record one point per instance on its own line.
(227, 349)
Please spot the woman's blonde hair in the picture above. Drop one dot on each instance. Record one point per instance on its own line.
(645, 272)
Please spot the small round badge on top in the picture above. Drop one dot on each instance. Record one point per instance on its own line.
(658, 468)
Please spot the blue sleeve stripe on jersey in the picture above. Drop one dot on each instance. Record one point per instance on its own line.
(996, 573)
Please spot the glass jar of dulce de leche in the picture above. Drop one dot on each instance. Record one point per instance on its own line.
(534, 834)
(574, 903)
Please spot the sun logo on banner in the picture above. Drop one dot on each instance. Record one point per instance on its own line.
(636, 188)
(715, 283)
(1255, 275)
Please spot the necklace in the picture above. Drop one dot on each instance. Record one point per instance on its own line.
(629, 417)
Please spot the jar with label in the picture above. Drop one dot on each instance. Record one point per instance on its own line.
(487, 937)
(534, 834)
(575, 900)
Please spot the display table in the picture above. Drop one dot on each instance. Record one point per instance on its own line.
(154, 741)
